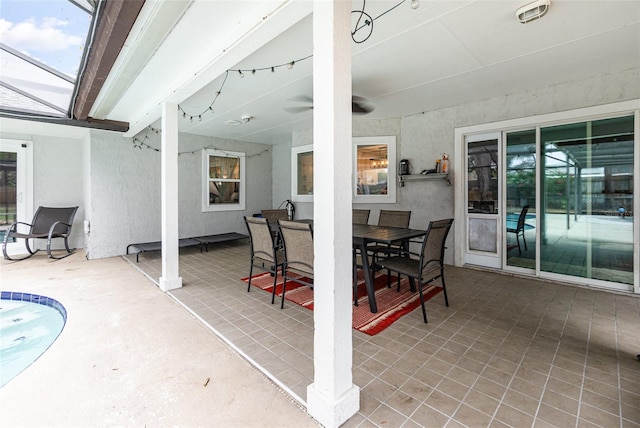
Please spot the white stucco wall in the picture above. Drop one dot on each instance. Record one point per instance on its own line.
(125, 183)
(281, 174)
(423, 137)
(58, 181)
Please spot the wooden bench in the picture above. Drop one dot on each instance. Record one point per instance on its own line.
(201, 241)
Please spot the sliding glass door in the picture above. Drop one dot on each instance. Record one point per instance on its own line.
(520, 220)
(586, 199)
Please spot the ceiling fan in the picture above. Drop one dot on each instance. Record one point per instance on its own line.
(359, 105)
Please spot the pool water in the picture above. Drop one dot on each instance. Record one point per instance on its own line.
(29, 324)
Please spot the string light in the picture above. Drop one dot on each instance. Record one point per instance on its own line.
(361, 23)
(142, 144)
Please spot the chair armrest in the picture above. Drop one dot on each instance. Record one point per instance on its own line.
(53, 227)
(14, 225)
(14, 228)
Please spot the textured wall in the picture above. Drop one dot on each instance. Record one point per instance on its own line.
(125, 184)
(423, 137)
(58, 180)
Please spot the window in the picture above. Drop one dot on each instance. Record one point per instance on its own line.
(224, 181)
(375, 169)
(302, 173)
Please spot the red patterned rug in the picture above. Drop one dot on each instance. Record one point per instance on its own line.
(392, 305)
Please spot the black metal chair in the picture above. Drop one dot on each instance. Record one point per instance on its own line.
(359, 216)
(298, 253)
(272, 217)
(426, 266)
(48, 223)
(390, 218)
(265, 253)
(519, 230)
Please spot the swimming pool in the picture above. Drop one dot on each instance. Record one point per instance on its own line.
(29, 324)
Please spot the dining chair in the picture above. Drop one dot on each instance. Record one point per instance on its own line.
(298, 253)
(272, 217)
(519, 229)
(426, 266)
(360, 216)
(390, 218)
(264, 251)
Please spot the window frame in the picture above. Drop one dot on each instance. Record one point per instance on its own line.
(207, 206)
(390, 197)
(295, 152)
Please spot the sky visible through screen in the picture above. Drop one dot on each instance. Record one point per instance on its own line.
(51, 31)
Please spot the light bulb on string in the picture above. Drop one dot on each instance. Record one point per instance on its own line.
(241, 73)
(415, 4)
(290, 65)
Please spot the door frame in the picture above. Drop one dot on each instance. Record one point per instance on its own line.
(586, 113)
(24, 185)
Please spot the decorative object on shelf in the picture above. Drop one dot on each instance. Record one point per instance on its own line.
(444, 165)
(404, 168)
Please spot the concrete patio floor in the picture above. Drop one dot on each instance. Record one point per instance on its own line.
(129, 355)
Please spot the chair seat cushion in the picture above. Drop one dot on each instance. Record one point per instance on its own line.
(409, 267)
(33, 235)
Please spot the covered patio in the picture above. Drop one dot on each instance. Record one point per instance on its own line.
(509, 351)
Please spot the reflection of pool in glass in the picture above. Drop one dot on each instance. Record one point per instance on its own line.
(29, 324)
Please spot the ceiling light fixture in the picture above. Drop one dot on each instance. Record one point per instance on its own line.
(243, 120)
(415, 4)
(533, 11)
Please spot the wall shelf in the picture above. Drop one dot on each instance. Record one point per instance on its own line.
(423, 177)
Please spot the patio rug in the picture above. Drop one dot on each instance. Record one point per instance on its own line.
(392, 305)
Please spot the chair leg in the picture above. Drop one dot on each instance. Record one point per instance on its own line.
(355, 285)
(424, 310)
(17, 259)
(284, 288)
(66, 246)
(525, 242)
(250, 275)
(275, 280)
(444, 288)
(518, 241)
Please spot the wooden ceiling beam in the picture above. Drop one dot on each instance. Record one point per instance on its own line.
(113, 24)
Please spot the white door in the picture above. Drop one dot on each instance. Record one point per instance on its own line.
(483, 200)
(16, 187)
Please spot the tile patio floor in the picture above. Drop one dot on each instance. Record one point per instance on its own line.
(509, 351)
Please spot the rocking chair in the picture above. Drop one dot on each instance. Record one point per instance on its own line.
(48, 223)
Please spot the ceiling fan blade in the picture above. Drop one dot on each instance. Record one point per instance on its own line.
(298, 109)
(358, 104)
(357, 108)
(302, 99)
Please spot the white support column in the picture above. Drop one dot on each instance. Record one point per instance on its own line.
(169, 198)
(332, 398)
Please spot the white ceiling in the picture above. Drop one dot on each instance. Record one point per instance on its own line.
(443, 54)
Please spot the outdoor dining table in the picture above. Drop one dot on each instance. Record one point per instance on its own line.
(363, 234)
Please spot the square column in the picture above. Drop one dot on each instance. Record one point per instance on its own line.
(332, 398)
(170, 278)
